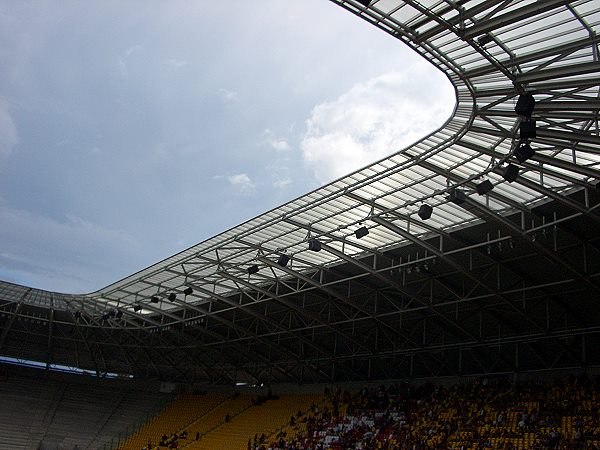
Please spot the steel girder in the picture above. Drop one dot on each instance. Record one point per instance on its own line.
(467, 291)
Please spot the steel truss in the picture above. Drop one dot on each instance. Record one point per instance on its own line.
(507, 281)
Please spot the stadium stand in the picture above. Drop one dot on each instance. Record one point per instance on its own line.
(482, 414)
(68, 412)
(251, 423)
(182, 412)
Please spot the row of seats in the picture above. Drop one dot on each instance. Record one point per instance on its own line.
(250, 425)
(216, 422)
(182, 412)
(483, 414)
(37, 410)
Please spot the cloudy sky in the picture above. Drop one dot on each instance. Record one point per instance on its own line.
(130, 130)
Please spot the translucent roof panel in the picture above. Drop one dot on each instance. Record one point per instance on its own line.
(493, 52)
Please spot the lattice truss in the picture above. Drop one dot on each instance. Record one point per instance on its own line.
(482, 287)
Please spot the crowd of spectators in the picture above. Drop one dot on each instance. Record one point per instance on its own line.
(483, 414)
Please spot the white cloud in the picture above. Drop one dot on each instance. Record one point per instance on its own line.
(279, 144)
(242, 183)
(177, 63)
(282, 183)
(227, 96)
(126, 54)
(8, 131)
(275, 142)
(373, 120)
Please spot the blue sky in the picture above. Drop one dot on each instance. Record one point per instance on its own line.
(132, 130)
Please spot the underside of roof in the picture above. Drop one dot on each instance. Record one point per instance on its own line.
(503, 277)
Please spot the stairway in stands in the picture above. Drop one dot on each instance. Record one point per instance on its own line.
(184, 410)
(266, 418)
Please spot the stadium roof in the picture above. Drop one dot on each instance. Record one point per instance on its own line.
(507, 280)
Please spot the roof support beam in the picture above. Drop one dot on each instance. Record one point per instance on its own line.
(516, 15)
(463, 15)
(570, 138)
(289, 304)
(10, 323)
(552, 256)
(262, 318)
(50, 336)
(572, 70)
(566, 48)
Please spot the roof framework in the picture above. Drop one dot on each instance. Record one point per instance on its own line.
(507, 281)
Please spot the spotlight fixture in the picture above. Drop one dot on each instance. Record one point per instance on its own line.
(484, 39)
(137, 307)
(524, 152)
(314, 245)
(484, 187)
(252, 269)
(188, 290)
(112, 313)
(172, 297)
(511, 172)
(77, 314)
(283, 260)
(119, 314)
(525, 105)
(105, 317)
(365, 3)
(457, 196)
(425, 211)
(361, 232)
(527, 129)
(155, 299)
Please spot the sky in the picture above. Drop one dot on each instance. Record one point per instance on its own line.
(131, 130)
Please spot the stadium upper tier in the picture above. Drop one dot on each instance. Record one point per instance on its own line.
(259, 284)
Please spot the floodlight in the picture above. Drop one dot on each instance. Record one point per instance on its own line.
(457, 196)
(119, 314)
(188, 290)
(525, 105)
(365, 3)
(172, 297)
(511, 172)
(425, 211)
(283, 260)
(137, 307)
(77, 314)
(155, 299)
(484, 39)
(484, 187)
(361, 232)
(527, 129)
(252, 269)
(314, 245)
(524, 152)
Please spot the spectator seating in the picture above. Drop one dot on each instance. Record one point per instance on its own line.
(478, 415)
(68, 412)
(182, 412)
(250, 424)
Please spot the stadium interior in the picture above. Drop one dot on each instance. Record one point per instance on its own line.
(447, 296)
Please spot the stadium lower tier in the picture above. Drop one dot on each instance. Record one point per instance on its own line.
(486, 413)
